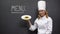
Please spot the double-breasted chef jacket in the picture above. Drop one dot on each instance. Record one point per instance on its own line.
(43, 25)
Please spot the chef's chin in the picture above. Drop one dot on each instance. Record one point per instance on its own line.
(42, 15)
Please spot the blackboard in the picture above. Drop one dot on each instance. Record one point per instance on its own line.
(12, 10)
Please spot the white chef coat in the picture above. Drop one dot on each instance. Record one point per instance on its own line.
(43, 25)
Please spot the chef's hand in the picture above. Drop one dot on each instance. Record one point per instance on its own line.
(29, 22)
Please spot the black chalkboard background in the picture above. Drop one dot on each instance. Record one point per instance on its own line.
(10, 20)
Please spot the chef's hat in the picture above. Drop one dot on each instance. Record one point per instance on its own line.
(41, 5)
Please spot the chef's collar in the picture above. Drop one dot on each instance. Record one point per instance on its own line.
(43, 17)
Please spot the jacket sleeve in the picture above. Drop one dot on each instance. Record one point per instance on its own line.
(49, 27)
(33, 27)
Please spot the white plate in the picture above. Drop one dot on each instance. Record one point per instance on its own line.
(26, 17)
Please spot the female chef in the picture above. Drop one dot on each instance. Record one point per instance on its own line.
(43, 22)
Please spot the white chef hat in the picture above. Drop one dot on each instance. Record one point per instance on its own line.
(41, 5)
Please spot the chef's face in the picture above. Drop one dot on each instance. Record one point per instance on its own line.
(42, 12)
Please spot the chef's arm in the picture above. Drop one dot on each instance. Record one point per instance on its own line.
(49, 28)
(29, 23)
(32, 27)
